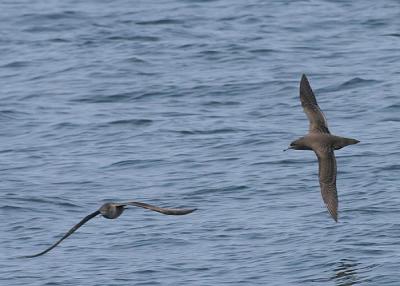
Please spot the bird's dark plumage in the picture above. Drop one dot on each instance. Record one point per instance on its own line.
(317, 119)
(166, 211)
(327, 181)
(112, 211)
(323, 143)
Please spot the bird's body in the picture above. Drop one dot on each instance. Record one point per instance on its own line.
(323, 143)
(113, 211)
(316, 141)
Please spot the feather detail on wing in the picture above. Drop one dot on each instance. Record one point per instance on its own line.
(317, 119)
(166, 211)
(71, 231)
(327, 181)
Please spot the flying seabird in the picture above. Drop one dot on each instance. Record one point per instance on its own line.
(112, 211)
(323, 143)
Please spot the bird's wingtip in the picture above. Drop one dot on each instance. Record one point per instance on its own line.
(334, 216)
(30, 256)
(304, 83)
(332, 209)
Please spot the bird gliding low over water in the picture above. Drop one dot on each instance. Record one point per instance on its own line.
(323, 143)
(112, 211)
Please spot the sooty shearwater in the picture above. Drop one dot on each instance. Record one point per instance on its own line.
(112, 211)
(323, 143)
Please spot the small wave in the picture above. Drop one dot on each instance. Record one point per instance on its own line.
(120, 97)
(53, 201)
(160, 22)
(221, 103)
(262, 51)
(356, 82)
(392, 35)
(187, 46)
(201, 1)
(12, 114)
(16, 64)
(136, 60)
(135, 122)
(43, 28)
(390, 168)
(134, 38)
(375, 23)
(66, 125)
(392, 108)
(391, 119)
(205, 132)
(225, 159)
(149, 74)
(54, 16)
(284, 162)
(135, 162)
(230, 189)
(59, 40)
(11, 208)
(210, 52)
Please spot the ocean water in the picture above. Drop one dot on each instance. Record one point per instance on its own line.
(190, 104)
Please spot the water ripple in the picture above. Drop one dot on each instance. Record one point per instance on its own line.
(190, 104)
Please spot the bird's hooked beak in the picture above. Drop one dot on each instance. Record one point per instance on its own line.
(288, 148)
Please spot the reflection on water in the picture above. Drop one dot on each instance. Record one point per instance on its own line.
(346, 273)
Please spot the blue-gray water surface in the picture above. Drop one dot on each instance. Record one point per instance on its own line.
(190, 104)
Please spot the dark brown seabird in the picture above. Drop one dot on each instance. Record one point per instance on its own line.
(323, 143)
(112, 211)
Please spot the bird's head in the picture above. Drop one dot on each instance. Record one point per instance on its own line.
(296, 145)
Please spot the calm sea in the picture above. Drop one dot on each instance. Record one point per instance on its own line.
(190, 104)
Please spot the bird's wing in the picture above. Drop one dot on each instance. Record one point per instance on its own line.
(166, 211)
(327, 180)
(317, 119)
(71, 231)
